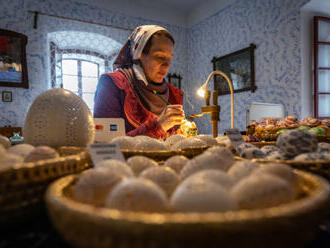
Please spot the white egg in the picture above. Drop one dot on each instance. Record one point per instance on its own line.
(205, 161)
(209, 140)
(41, 153)
(215, 176)
(9, 160)
(124, 142)
(262, 191)
(150, 145)
(115, 165)
(164, 177)
(58, 117)
(140, 163)
(5, 141)
(197, 195)
(174, 139)
(241, 169)
(188, 143)
(176, 163)
(93, 186)
(281, 170)
(137, 194)
(220, 151)
(3, 151)
(21, 149)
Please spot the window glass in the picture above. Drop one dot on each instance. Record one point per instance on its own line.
(324, 81)
(69, 67)
(324, 56)
(89, 84)
(89, 69)
(324, 105)
(324, 31)
(89, 100)
(70, 82)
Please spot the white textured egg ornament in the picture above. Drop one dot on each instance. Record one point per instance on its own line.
(58, 117)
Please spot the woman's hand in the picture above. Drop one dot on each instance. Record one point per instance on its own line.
(171, 116)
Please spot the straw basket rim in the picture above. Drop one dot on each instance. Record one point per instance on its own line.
(56, 198)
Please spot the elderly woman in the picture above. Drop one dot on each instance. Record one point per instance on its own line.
(137, 91)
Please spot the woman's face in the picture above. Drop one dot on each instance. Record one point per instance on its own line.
(157, 62)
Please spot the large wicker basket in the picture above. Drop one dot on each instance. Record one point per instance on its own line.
(288, 225)
(22, 187)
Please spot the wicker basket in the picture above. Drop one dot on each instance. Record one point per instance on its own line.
(320, 167)
(263, 143)
(287, 225)
(22, 187)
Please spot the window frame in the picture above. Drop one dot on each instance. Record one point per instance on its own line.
(316, 45)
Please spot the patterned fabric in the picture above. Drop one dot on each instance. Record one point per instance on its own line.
(115, 98)
(129, 64)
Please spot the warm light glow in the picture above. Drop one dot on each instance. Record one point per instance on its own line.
(201, 92)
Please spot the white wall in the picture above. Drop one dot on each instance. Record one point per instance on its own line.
(314, 8)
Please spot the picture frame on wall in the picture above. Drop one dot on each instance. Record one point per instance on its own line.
(174, 79)
(7, 96)
(13, 68)
(239, 67)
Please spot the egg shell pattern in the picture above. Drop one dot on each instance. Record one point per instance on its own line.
(294, 142)
(206, 161)
(252, 153)
(3, 151)
(150, 145)
(174, 139)
(276, 155)
(137, 194)
(41, 153)
(269, 149)
(209, 140)
(140, 163)
(244, 146)
(220, 151)
(312, 156)
(215, 176)
(262, 191)
(281, 170)
(323, 147)
(188, 143)
(5, 141)
(164, 177)
(93, 186)
(115, 165)
(195, 195)
(176, 163)
(241, 169)
(21, 149)
(124, 142)
(10, 160)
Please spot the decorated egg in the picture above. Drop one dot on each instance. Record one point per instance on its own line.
(137, 194)
(294, 142)
(59, 117)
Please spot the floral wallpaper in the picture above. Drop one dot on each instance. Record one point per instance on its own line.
(274, 27)
(14, 16)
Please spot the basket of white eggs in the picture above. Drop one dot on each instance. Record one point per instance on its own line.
(161, 150)
(25, 173)
(208, 201)
(296, 148)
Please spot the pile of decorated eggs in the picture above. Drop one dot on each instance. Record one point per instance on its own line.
(210, 182)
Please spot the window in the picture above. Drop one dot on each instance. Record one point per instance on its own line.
(322, 67)
(76, 64)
